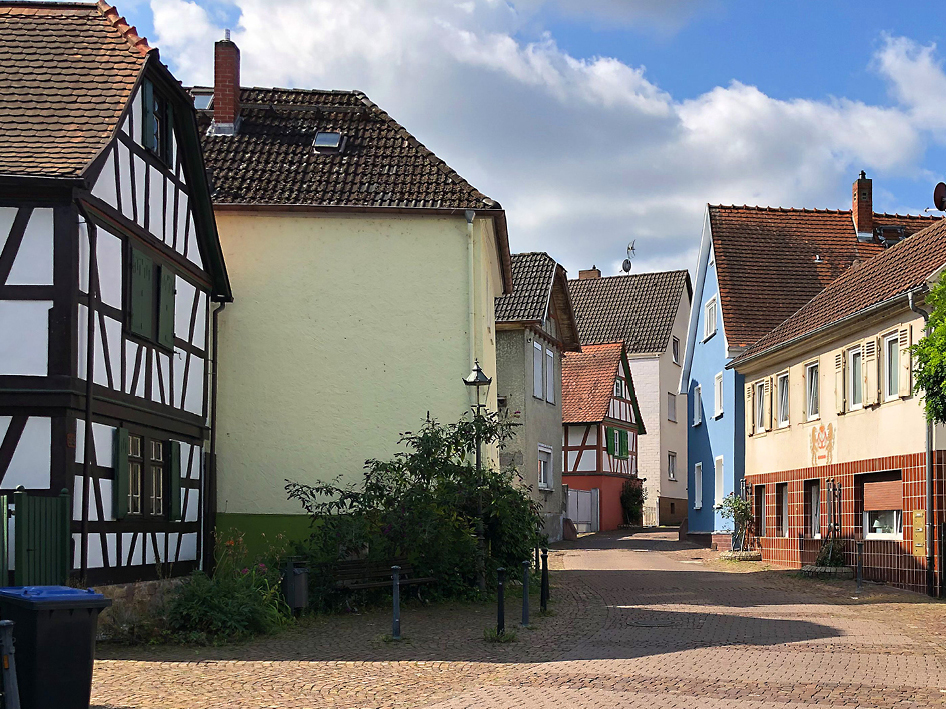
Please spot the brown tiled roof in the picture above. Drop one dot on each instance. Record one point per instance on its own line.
(271, 159)
(900, 269)
(532, 282)
(636, 309)
(588, 381)
(67, 71)
(766, 260)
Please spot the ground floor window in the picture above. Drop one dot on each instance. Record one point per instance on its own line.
(882, 524)
(882, 495)
(781, 509)
(758, 510)
(813, 508)
(545, 467)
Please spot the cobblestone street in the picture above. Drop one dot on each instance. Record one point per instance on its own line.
(638, 622)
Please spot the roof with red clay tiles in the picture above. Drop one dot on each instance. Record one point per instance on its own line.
(766, 260)
(271, 159)
(901, 268)
(638, 309)
(67, 71)
(588, 381)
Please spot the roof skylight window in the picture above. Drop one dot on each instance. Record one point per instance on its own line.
(328, 141)
(202, 101)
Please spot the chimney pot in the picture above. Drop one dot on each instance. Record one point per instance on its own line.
(862, 205)
(226, 105)
(592, 272)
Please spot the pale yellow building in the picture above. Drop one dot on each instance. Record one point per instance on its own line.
(364, 273)
(836, 436)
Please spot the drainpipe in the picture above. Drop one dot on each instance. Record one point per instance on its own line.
(930, 561)
(470, 214)
(89, 377)
(210, 493)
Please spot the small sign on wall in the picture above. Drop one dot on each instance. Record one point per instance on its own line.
(919, 533)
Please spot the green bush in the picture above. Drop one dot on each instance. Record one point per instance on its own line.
(243, 598)
(424, 504)
(831, 554)
(633, 496)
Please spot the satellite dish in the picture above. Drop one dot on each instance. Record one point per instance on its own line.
(939, 197)
(626, 266)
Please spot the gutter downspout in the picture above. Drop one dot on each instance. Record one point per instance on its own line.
(210, 493)
(470, 214)
(89, 376)
(930, 560)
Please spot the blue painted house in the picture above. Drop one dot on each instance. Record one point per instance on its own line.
(757, 267)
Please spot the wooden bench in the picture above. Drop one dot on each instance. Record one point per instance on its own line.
(362, 574)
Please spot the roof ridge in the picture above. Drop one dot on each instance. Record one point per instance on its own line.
(296, 89)
(907, 216)
(801, 210)
(128, 32)
(629, 275)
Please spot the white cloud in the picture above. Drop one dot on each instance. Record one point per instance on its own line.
(585, 153)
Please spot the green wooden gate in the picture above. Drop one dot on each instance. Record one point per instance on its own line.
(42, 538)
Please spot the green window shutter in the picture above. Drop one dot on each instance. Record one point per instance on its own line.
(166, 308)
(147, 115)
(623, 441)
(142, 294)
(169, 134)
(174, 471)
(120, 484)
(609, 440)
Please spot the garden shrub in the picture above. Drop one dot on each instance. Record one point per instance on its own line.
(633, 496)
(423, 505)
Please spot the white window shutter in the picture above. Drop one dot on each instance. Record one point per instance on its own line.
(804, 388)
(768, 403)
(750, 410)
(906, 363)
(839, 371)
(550, 376)
(537, 380)
(869, 370)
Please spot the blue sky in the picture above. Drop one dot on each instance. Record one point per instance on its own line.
(599, 121)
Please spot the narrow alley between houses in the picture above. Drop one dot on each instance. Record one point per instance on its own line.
(639, 620)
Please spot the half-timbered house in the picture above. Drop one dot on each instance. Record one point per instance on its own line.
(601, 423)
(109, 261)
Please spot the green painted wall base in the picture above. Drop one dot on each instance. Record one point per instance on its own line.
(261, 532)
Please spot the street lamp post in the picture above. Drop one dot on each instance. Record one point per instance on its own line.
(481, 382)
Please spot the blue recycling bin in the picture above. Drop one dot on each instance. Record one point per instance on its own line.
(54, 635)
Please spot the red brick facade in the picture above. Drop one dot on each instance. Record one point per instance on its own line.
(890, 561)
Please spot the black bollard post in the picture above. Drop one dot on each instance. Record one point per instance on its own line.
(501, 610)
(860, 566)
(525, 592)
(544, 591)
(396, 619)
(537, 558)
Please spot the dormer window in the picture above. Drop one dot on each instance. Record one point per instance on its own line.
(202, 102)
(157, 125)
(328, 142)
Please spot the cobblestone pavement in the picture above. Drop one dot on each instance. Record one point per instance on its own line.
(639, 621)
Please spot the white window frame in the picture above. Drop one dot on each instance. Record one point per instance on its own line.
(874, 535)
(814, 503)
(852, 379)
(698, 486)
(538, 380)
(758, 395)
(783, 419)
(549, 468)
(719, 479)
(709, 316)
(671, 407)
(549, 376)
(697, 405)
(675, 349)
(891, 393)
(718, 395)
(808, 384)
(671, 465)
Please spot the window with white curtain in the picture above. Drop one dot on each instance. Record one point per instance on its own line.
(550, 376)
(537, 380)
(718, 392)
(697, 405)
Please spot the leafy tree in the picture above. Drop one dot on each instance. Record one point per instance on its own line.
(633, 496)
(739, 510)
(930, 354)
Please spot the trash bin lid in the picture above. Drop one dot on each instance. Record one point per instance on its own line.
(53, 596)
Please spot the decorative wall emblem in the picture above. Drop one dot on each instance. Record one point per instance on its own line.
(822, 444)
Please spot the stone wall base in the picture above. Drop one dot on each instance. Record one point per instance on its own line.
(132, 601)
(721, 542)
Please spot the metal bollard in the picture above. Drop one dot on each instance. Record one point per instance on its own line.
(860, 566)
(11, 693)
(396, 620)
(544, 591)
(525, 592)
(501, 610)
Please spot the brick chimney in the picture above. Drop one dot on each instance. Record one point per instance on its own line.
(226, 87)
(593, 272)
(862, 206)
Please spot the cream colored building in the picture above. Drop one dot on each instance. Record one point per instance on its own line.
(836, 437)
(365, 273)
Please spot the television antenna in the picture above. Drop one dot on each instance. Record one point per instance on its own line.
(626, 266)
